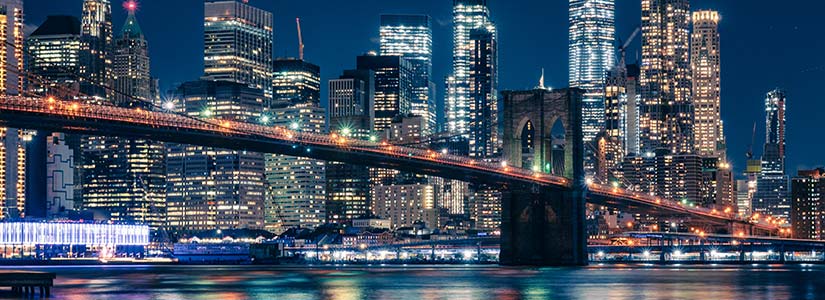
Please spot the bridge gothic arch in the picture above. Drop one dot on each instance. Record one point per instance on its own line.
(544, 226)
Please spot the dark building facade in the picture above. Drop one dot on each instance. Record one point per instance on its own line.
(807, 192)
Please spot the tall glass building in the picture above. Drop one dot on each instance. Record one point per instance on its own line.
(411, 37)
(392, 87)
(666, 111)
(592, 32)
(468, 15)
(238, 43)
(295, 82)
(706, 68)
(97, 37)
(54, 53)
(771, 196)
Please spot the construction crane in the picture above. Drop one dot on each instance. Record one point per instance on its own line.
(300, 40)
(749, 154)
(623, 48)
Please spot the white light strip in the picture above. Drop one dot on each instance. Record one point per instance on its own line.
(22, 233)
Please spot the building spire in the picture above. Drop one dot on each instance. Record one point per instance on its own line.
(131, 29)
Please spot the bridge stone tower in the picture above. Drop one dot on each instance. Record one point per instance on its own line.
(540, 225)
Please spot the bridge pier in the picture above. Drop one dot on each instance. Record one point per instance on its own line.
(543, 227)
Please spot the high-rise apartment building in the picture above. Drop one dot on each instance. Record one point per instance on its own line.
(404, 205)
(238, 42)
(126, 177)
(666, 111)
(295, 82)
(807, 205)
(592, 31)
(771, 196)
(706, 69)
(411, 37)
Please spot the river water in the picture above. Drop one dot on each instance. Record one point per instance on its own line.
(436, 282)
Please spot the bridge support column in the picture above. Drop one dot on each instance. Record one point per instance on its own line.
(543, 227)
(702, 257)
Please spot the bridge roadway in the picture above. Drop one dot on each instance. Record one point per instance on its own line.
(92, 119)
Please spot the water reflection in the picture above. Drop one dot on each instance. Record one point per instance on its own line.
(436, 283)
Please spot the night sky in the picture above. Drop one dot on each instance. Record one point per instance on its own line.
(765, 44)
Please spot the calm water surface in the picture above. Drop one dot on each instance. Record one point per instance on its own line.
(423, 282)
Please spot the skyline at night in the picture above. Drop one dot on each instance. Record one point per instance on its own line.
(439, 149)
(760, 53)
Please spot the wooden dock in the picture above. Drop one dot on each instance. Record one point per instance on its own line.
(28, 282)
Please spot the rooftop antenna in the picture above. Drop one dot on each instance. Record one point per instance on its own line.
(300, 40)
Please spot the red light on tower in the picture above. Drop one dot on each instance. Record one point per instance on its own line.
(130, 6)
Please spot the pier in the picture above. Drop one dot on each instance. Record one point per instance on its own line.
(28, 282)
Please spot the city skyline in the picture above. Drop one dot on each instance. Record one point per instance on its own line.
(742, 28)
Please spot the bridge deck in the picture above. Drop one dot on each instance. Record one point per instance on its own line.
(84, 118)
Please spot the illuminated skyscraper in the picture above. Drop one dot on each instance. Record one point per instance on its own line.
(392, 87)
(351, 111)
(12, 148)
(238, 44)
(126, 177)
(211, 188)
(54, 54)
(96, 36)
(411, 37)
(484, 133)
(295, 82)
(468, 15)
(771, 196)
(296, 186)
(666, 111)
(706, 70)
(592, 32)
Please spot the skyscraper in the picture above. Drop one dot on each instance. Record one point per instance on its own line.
(666, 111)
(771, 196)
(484, 134)
(211, 188)
(296, 186)
(468, 15)
(238, 44)
(126, 177)
(295, 82)
(350, 109)
(411, 37)
(706, 69)
(392, 87)
(54, 54)
(96, 35)
(592, 32)
(12, 148)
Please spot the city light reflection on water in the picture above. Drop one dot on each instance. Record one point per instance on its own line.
(433, 283)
